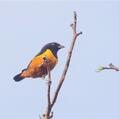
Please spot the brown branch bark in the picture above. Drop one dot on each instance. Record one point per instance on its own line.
(49, 114)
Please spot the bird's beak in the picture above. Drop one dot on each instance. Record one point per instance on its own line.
(61, 46)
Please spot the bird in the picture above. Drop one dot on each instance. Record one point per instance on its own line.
(38, 67)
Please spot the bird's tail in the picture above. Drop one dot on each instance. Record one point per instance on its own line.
(18, 77)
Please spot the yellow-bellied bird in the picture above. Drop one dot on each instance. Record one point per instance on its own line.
(38, 66)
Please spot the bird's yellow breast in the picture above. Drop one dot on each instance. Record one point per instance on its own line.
(40, 58)
(37, 67)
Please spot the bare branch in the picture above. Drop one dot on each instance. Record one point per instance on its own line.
(75, 35)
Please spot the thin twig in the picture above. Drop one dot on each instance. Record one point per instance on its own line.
(109, 67)
(75, 35)
(75, 22)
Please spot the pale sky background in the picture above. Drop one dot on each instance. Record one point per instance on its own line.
(26, 26)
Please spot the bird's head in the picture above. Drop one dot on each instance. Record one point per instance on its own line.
(53, 46)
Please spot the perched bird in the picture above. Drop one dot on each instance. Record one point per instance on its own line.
(38, 65)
